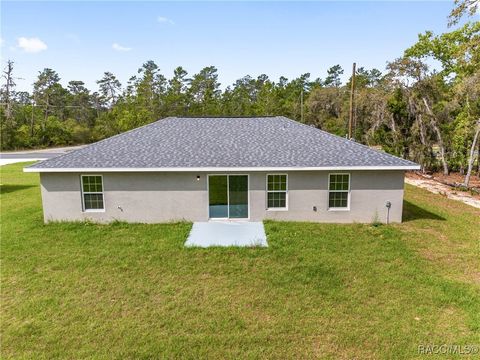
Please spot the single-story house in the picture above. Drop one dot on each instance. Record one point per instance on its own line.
(200, 169)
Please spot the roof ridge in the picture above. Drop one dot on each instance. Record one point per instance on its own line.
(100, 141)
(226, 117)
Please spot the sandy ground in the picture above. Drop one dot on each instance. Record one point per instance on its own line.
(438, 188)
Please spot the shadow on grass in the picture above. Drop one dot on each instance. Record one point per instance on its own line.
(5, 189)
(413, 212)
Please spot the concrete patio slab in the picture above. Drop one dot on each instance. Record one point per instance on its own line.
(227, 233)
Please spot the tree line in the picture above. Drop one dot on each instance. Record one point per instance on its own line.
(431, 116)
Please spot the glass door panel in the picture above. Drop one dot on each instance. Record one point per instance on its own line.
(238, 196)
(218, 196)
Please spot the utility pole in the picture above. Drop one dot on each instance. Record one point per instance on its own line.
(32, 121)
(352, 98)
(301, 107)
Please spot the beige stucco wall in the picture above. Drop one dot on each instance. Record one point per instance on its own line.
(162, 197)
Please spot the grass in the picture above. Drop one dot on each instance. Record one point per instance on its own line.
(81, 290)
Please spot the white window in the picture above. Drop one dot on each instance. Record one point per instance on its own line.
(92, 193)
(339, 191)
(277, 188)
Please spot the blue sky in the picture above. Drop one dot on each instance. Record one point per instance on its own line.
(239, 38)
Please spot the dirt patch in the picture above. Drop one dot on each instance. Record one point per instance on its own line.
(436, 186)
(457, 178)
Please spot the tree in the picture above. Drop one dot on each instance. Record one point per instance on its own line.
(50, 96)
(467, 99)
(7, 90)
(420, 91)
(371, 112)
(333, 77)
(266, 99)
(325, 103)
(325, 109)
(463, 7)
(109, 88)
(205, 92)
(293, 92)
(80, 103)
(7, 95)
(472, 155)
(366, 78)
(150, 90)
(434, 122)
(240, 98)
(176, 98)
(457, 51)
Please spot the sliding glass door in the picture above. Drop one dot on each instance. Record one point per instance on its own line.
(238, 196)
(228, 196)
(218, 196)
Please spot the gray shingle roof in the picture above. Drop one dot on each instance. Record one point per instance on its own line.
(257, 142)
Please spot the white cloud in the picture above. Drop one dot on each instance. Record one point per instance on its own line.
(31, 45)
(165, 20)
(119, 47)
(1, 41)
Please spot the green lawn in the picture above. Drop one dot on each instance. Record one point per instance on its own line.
(79, 290)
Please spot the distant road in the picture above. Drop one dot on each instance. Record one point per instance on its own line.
(30, 155)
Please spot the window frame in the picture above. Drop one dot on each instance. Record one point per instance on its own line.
(228, 197)
(84, 209)
(276, 191)
(347, 208)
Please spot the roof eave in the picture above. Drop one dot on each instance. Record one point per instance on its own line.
(219, 169)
